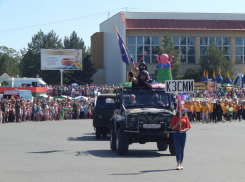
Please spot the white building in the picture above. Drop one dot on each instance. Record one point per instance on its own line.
(143, 31)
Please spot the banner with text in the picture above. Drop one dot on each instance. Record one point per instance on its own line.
(179, 86)
(61, 59)
(210, 86)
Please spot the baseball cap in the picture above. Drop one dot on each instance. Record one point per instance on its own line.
(181, 107)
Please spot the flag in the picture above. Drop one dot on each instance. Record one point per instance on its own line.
(122, 48)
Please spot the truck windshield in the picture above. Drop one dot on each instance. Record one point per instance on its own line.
(139, 98)
(103, 102)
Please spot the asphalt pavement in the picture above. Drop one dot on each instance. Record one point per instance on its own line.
(68, 151)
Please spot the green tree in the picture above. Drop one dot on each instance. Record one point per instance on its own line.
(168, 48)
(9, 61)
(85, 75)
(213, 60)
(192, 73)
(31, 63)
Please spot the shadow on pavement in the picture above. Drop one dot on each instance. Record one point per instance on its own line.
(131, 154)
(88, 138)
(46, 152)
(89, 134)
(143, 172)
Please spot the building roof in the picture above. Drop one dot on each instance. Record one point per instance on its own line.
(171, 24)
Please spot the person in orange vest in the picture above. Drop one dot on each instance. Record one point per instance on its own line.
(198, 111)
(234, 117)
(225, 109)
(189, 110)
(205, 111)
(211, 112)
(194, 111)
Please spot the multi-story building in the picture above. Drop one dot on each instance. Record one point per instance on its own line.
(143, 32)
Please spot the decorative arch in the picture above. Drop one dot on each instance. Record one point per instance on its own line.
(238, 80)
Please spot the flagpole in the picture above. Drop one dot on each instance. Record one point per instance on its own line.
(139, 62)
(122, 41)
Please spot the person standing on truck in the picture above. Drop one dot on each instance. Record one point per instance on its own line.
(180, 127)
(142, 81)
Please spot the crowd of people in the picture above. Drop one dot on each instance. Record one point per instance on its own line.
(223, 104)
(78, 90)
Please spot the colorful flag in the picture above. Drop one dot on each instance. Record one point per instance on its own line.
(122, 47)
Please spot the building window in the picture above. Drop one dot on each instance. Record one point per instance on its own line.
(224, 42)
(187, 48)
(137, 46)
(239, 50)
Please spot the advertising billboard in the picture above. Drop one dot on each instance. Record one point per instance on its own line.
(61, 59)
(210, 86)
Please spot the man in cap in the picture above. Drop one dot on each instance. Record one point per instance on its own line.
(142, 66)
(142, 81)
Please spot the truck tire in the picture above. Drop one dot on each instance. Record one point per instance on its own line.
(113, 140)
(162, 146)
(104, 134)
(98, 132)
(122, 142)
(172, 149)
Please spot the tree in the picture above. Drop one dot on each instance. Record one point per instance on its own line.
(9, 61)
(192, 73)
(168, 48)
(85, 75)
(213, 60)
(31, 63)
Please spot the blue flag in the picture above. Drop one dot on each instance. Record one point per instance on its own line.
(122, 47)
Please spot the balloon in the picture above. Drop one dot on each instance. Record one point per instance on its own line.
(178, 97)
(189, 95)
(185, 110)
(183, 97)
(182, 102)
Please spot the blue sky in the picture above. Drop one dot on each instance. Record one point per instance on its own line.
(16, 15)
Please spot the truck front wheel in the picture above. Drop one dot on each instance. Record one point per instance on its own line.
(122, 142)
(162, 146)
(113, 140)
(98, 132)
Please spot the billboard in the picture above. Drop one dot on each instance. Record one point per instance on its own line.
(61, 59)
(210, 86)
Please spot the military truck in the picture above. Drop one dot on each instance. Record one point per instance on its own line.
(103, 112)
(146, 119)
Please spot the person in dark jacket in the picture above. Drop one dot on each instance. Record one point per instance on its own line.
(142, 81)
(215, 111)
(219, 111)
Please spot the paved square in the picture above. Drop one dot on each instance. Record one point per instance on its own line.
(68, 151)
